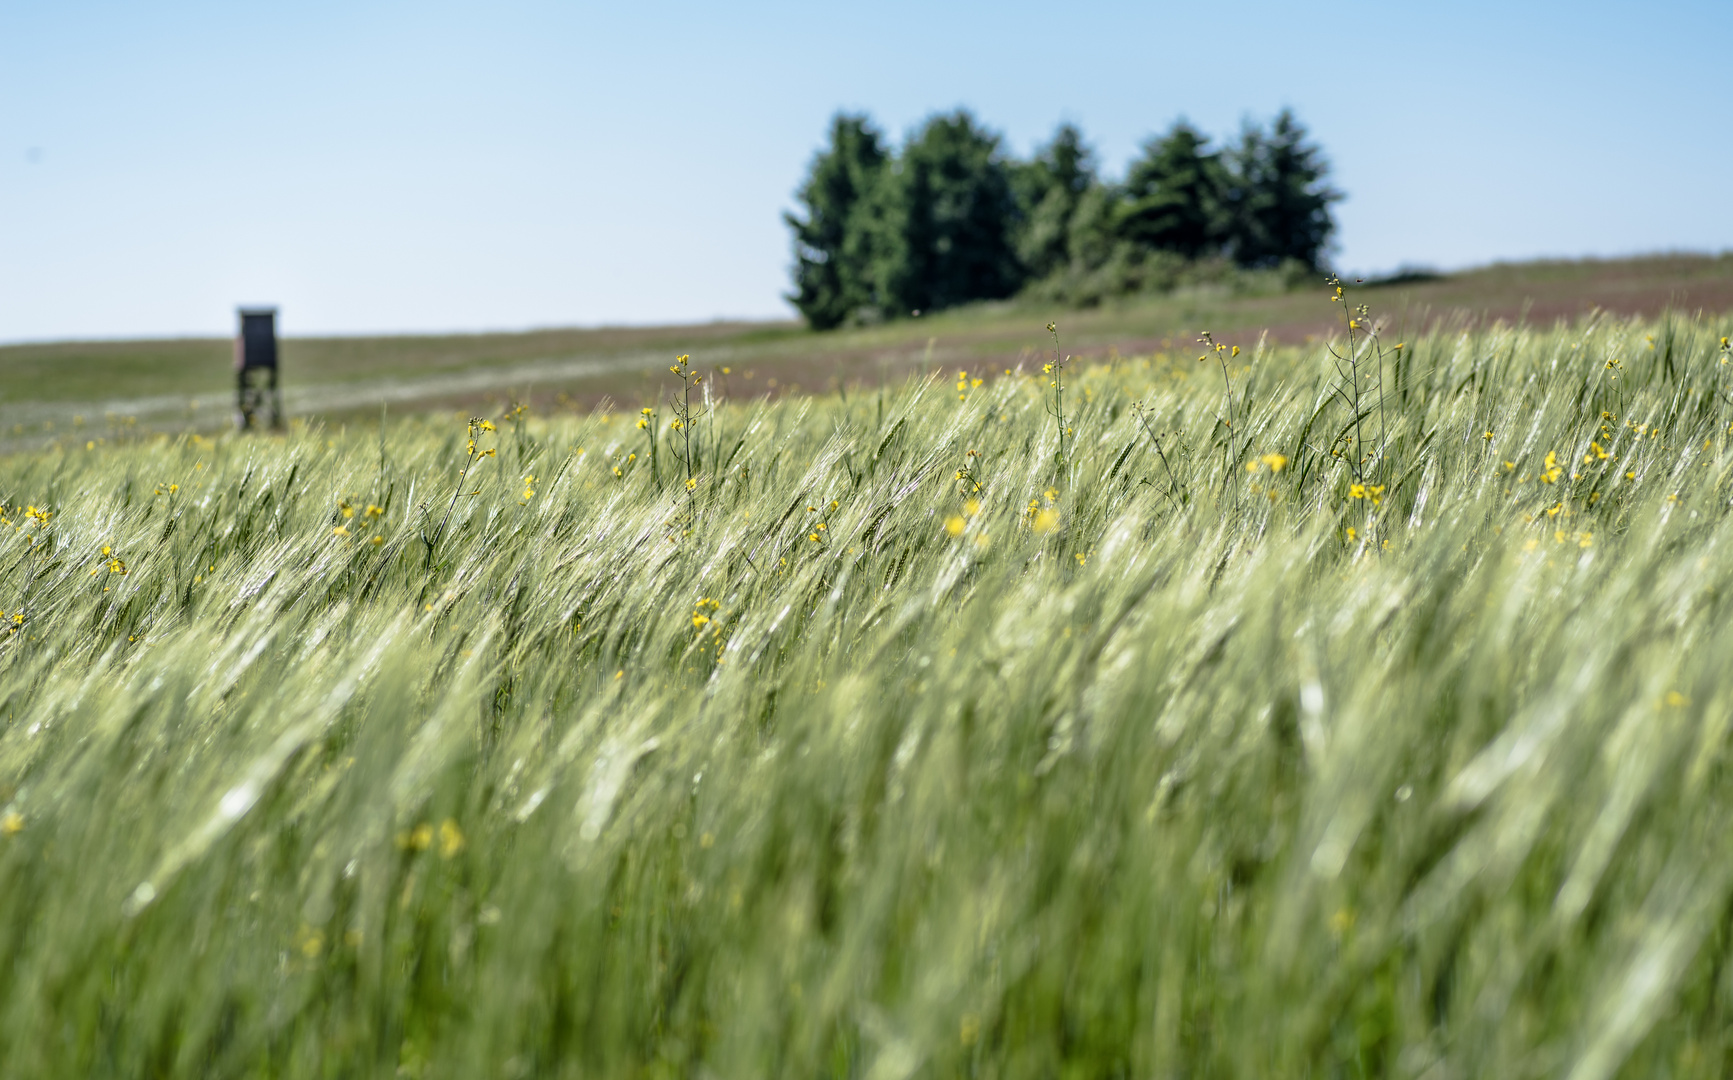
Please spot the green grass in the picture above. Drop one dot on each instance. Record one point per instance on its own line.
(77, 391)
(1135, 771)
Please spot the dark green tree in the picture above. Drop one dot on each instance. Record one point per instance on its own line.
(1174, 196)
(952, 219)
(1049, 189)
(1092, 239)
(1279, 200)
(832, 256)
(943, 220)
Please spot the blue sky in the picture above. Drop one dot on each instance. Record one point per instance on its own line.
(381, 167)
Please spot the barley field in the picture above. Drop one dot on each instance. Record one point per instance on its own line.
(1270, 715)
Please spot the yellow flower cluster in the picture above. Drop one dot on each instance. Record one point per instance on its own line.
(479, 426)
(702, 609)
(1553, 469)
(420, 838)
(113, 562)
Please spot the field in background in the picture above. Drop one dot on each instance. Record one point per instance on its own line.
(893, 744)
(79, 391)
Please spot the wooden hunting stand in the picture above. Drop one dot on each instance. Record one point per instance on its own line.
(256, 369)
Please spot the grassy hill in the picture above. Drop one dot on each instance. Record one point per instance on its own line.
(78, 390)
(1261, 717)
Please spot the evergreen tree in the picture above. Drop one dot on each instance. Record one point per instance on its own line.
(1049, 189)
(952, 219)
(1175, 195)
(1280, 202)
(943, 220)
(832, 257)
(1092, 239)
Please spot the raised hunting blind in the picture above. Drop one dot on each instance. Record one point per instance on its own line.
(256, 369)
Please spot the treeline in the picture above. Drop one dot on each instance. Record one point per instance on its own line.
(952, 217)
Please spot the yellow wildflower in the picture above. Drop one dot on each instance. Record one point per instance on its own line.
(1553, 469)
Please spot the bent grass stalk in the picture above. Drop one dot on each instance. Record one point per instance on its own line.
(473, 456)
(1234, 449)
(1057, 409)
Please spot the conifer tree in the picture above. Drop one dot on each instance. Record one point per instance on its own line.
(952, 218)
(1280, 200)
(943, 220)
(831, 255)
(1049, 188)
(1174, 195)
